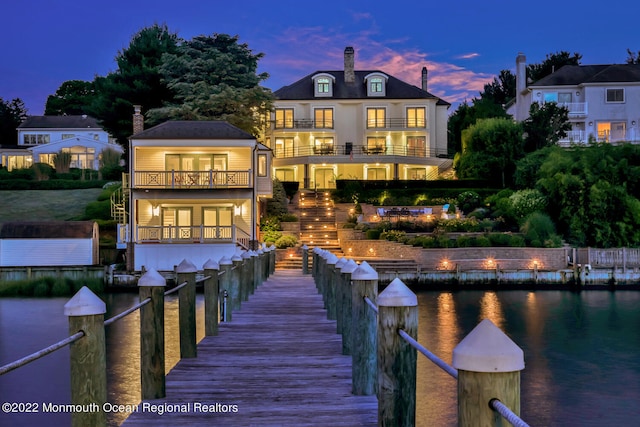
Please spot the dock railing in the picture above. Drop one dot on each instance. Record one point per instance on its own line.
(87, 327)
(379, 332)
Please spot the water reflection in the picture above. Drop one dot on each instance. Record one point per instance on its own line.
(490, 308)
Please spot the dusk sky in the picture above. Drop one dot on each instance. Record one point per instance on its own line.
(463, 43)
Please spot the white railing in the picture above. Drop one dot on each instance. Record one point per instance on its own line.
(192, 179)
(181, 234)
(576, 109)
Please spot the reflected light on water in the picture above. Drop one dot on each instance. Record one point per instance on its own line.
(490, 308)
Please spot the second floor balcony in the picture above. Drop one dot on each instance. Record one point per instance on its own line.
(211, 179)
(361, 151)
(329, 124)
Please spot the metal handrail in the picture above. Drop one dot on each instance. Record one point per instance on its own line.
(507, 413)
(432, 357)
(41, 353)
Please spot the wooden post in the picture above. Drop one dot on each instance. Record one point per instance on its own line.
(236, 278)
(397, 360)
(363, 335)
(255, 270)
(305, 259)
(346, 309)
(339, 295)
(186, 272)
(225, 285)
(272, 253)
(330, 263)
(211, 303)
(152, 379)
(489, 366)
(88, 358)
(246, 287)
(259, 265)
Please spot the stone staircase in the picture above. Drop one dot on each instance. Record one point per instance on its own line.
(316, 215)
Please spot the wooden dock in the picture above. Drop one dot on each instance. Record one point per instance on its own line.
(278, 363)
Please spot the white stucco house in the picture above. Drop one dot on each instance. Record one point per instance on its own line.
(40, 138)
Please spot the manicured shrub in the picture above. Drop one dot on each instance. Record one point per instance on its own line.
(373, 234)
(286, 241)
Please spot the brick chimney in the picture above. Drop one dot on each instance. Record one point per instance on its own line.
(424, 78)
(138, 119)
(349, 71)
(522, 109)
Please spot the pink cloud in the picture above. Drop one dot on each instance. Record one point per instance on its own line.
(303, 50)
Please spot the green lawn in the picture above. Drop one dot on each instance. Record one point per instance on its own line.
(42, 205)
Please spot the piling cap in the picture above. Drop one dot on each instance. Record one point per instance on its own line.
(253, 253)
(305, 247)
(246, 255)
(186, 267)
(236, 257)
(341, 263)
(260, 251)
(364, 272)
(397, 294)
(225, 261)
(152, 278)
(331, 259)
(487, 349)
(84, 303)
(210, 265)
(349, 266)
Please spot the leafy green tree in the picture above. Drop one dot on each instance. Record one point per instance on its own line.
(552, 62)
(214, 77)
(490, 150)
(12, 113)
(546, 125)
(73, 97)
(467, 115)
(137, 80)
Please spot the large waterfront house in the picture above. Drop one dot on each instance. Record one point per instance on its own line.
(195, 192)
(603, 100)
(40, 138)
(356, 124)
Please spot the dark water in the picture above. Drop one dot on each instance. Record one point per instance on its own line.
(582, 354)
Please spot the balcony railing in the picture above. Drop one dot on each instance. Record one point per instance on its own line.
(576, 109)
(183, 234)
(192, 179)
(581, 137)
(361, 151)
(391, 123)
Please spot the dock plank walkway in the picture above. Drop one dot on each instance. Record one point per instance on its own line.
(279, 361)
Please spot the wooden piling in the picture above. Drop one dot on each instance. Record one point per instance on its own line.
(88, 358)
(152, 285)
(330, 287)
(236, 279)
(211, 303)
(397, 360)
(346, 309)
(246, 287)
(364, 333)
(186, 272)
(489, 366)
(225, 264)
(305, 259)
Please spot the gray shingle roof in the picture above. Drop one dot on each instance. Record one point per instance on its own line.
(47, 230)
(395, 89)
(188, 129)
(62, 122)
(573, 75)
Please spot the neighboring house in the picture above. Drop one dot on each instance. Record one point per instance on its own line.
(603, 100)
(40, 138)
(356, 125)
(49, 243)
(196, 189)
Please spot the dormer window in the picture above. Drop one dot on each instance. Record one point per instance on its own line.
(323, 85)
(376, 84)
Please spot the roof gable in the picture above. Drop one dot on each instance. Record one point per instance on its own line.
(189, 129)
(395, 88)
(60, 122)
